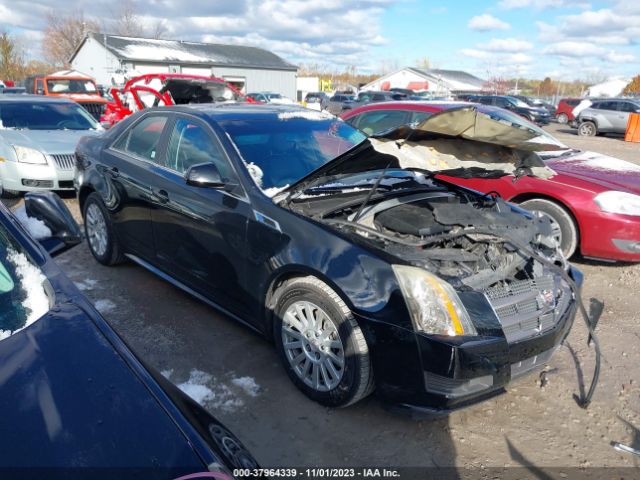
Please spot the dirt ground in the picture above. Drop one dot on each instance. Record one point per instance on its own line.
(535, 424)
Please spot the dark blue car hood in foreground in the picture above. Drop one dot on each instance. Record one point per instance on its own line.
(68, 400)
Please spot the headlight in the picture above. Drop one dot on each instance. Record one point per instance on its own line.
(29, 155)
(619, 202)
(433, 304)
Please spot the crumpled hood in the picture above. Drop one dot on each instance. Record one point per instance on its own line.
(464, 142)
(609, 172)
(47, 141)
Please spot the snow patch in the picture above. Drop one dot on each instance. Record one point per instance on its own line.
(603, 162)
(306, 114)
(247, 384)
(31, 279)
(256, 173)
(273, 191)
(104, 305)
(36, 228)
(86, 284)
(206, 390)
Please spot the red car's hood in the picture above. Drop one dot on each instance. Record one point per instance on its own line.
(607, 171)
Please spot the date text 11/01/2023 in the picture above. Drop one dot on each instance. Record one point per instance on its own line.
(313, 473)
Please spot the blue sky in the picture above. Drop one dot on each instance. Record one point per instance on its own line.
(563, 39)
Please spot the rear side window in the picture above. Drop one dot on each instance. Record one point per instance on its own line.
(380, 120)
(143, 138)
(628, 107)
(572, 103)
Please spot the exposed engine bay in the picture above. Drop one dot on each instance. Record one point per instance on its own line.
(465, 238)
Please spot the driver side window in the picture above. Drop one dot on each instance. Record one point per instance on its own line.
(191, 144)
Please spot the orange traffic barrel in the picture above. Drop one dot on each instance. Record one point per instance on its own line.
(633, 128)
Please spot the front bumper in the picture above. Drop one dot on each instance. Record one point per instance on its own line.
(433, 375)
(28, 177)
(610, 236)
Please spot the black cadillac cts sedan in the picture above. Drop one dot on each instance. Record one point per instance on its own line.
(365, 270)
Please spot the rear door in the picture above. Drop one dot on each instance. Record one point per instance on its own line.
(128, 166)
(624, 110)
(200, 232)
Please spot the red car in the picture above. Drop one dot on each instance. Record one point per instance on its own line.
(564, 111)
(161, 89)
(593, 201)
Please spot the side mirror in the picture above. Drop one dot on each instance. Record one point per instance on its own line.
(204, 175)
(50, 209)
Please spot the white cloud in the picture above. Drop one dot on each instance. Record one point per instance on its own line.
(506, 45)
(486, 22)
(574, 49)
(541, 4)
(475, 53)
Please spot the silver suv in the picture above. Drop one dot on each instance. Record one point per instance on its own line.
(606, 116)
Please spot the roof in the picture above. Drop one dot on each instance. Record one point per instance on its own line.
(457, 78)
(28, 98)
(220, 112)
(191, 53)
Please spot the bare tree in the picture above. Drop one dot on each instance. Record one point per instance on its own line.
(128, 22)
(63, 34)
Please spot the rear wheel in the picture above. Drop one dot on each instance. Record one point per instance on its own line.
(587, 129)
(99, 231)
(320, 343)
(562, 224)
(562, 118)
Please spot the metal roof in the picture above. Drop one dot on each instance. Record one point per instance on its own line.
(189, 53)
(450, 75)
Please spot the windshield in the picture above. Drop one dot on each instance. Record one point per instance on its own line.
(23, 298)
(279, 152)
(519, 103)
(45, 116)
(64, 85)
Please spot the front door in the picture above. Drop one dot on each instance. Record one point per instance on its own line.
(200, 232)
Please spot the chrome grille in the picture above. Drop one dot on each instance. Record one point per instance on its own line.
(65, 161)
(527, 308)
(95, 109)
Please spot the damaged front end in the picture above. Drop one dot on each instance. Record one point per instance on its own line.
(490, 294)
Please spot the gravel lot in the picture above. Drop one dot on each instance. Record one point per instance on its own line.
(535, 424)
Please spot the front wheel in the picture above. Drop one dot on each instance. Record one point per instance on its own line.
(320, 344)
(587, 129)
(563, 227)
(99, 231)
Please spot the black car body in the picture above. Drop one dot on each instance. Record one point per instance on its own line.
(297, 220)
(538, 115)
(77, 402)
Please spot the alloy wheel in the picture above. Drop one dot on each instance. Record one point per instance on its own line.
(313, 346)
(96, 226)
(556, 231)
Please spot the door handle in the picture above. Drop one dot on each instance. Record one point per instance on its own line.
(114, 172)
(162, 195)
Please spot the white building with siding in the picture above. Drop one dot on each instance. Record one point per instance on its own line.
(435, 81)
(109, 58)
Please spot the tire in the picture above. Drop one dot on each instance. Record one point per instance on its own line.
(561, 221)
(99, 231)
(587, 129)
(562, 118)
(309, 365)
